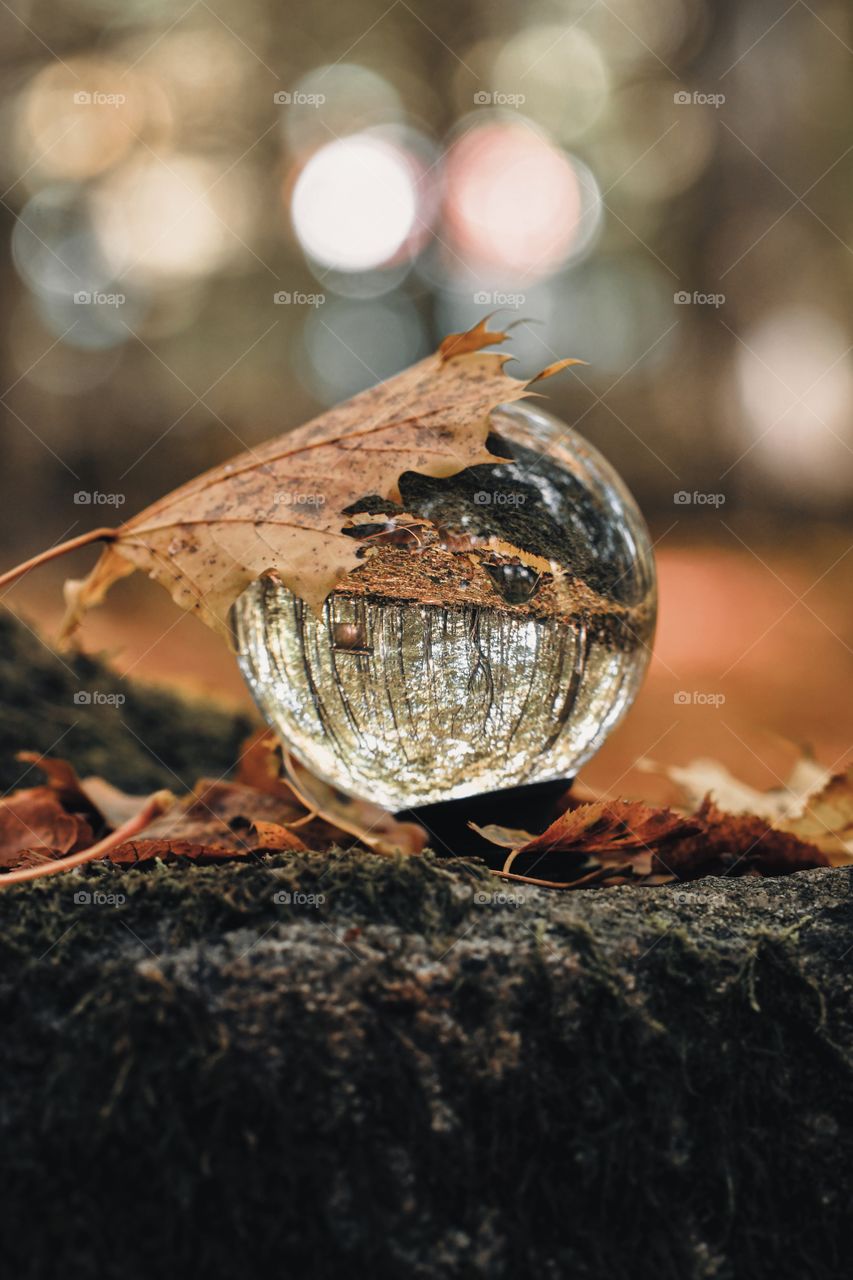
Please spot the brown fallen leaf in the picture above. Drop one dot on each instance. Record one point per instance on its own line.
(100, 849)
(260, 766)
(371, 825)
(217, 820)
(605, 841)
(261, 763)
(274, 838)
(268, 838)
(104, 805)
(609, 841)
(41, 823)
(609, 827)
(33, 825)
(225, 816)
(213, 536)
(812, 805)
(740, 844)
(131, 853)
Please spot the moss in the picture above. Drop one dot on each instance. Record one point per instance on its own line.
(403, 1079)
(151, 739)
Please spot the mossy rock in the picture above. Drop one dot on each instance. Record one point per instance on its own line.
(139, 737)
(329, 1065)
(397, 1074)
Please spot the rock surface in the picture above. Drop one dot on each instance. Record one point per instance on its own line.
(337, 1065)
(138, 737)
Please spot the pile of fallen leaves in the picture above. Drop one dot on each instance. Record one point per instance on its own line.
(275, 805)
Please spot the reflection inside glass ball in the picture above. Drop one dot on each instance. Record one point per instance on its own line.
(497, 630)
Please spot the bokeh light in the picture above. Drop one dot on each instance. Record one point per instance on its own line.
(650, 149)
(561, 75)
(515, 204)
(332, 102)
(170, 217)
(795, 378)
(81, 118)
(355, 203)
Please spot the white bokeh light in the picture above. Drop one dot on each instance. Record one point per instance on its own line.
(354, 204)
(158, 219)
(795, 382)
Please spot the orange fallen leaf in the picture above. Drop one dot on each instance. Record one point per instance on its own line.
(208, 540)
(103, 804)
(370, 824)
(33, 822)
(812, 804)
(609, 827)
(608, 841)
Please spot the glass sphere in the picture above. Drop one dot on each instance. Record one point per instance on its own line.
(448, 664)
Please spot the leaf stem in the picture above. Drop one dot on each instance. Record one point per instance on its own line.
(53, 553)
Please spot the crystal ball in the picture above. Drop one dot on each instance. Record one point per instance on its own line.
(493, 636)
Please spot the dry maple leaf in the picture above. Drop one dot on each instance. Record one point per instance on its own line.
(610, 841)
(736, 843)
(811, 805)
(33, 822)
(209, 539)
(609, 826)
(620, 836)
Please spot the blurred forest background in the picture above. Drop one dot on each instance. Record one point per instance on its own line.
(219, 218)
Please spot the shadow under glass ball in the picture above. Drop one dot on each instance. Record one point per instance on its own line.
(447, 665)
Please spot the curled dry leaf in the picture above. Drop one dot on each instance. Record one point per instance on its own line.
(322, 805)
(213, 536)
(605, 841)
(611, 841)
(105, 806)
(35, 826)
(260, 766)
(813, 805)
(609, 827)
(223, 817)
(371, 825)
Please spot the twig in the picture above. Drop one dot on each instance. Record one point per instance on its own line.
(600, 873)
